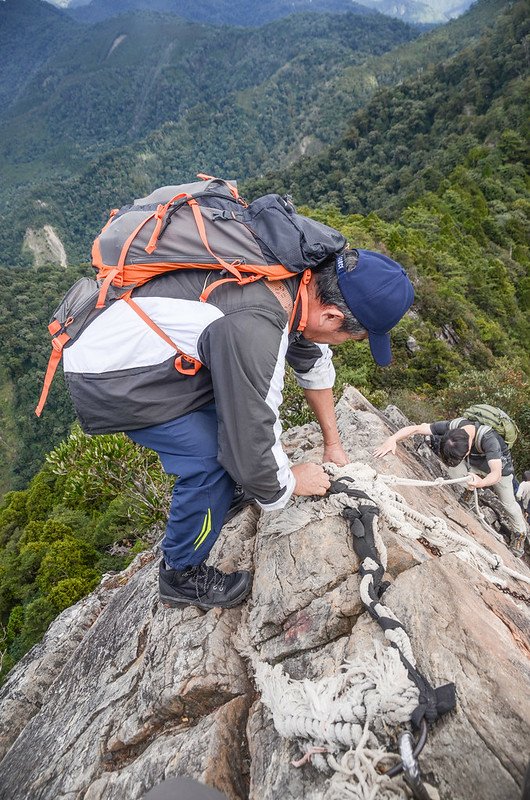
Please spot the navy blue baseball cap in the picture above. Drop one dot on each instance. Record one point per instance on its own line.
(378, 292)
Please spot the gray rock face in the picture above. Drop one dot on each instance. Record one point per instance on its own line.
(123, 692)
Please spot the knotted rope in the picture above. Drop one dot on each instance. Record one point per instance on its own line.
(340, 720)
(437, 532)
(396, 480)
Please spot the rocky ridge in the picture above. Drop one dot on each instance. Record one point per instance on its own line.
(123, 692)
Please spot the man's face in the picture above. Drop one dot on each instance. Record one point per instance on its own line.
(337, 337)
(324, 327)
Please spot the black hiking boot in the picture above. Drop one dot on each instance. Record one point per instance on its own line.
(202, 586)
(241, 500)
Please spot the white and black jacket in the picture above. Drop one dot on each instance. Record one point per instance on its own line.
(121, 373)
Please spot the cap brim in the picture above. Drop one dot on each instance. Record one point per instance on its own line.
(380, 347)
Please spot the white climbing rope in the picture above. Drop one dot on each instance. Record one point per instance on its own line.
(337, 718)
(396, 480)
(437, 532)
(483, 520)
(340, 720)
(399, 516)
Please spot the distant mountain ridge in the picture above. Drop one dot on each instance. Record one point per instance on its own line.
(254, 12)
(270, 107)
(34, 28)
(206, 82)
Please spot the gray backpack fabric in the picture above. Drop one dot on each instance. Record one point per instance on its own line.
(162, 229)
(489, 418)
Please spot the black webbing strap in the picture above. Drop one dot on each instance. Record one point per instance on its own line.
(432, 702)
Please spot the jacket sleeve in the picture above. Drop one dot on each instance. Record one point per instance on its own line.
(245, 353)
(439, 428)
(312, 364)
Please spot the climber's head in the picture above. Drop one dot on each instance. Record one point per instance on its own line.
(378, 292)
(454, 447)
(357, 295)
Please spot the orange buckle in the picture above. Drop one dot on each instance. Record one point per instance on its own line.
(187, 365)
(58, 342)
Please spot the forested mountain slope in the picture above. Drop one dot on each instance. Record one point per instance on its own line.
(30, 32)
(117, 81)
(446, 156)
(465, 240)
(408, 137)
(302, 98)
(254, 12)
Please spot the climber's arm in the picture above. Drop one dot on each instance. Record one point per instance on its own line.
(494, 476)
(322, 405)
(389, 445)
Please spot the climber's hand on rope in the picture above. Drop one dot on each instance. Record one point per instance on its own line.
(474, 482)
(388, 446)
(336, 454)
(310, 479)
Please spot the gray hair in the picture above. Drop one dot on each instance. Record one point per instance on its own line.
(329, 294)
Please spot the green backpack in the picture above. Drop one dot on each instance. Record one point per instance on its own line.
(490, 417)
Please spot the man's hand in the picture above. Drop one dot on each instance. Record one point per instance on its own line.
(336, 454)
(310, 479)
(388, 446)
(474, 482)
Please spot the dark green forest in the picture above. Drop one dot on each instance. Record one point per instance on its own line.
(91, 97)
(416, 146)
(250, 14)
(30, 33)
(268, 109)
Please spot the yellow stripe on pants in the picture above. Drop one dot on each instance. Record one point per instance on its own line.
(205, 530)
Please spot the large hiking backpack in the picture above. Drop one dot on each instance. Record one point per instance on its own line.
(490, 418)
(200, 225)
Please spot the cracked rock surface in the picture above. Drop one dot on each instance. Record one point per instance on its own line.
(123, 692)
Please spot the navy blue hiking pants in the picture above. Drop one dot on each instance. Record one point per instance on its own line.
(203, 491)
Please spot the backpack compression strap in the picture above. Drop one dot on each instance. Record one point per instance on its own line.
(58, 342)
(184, 364)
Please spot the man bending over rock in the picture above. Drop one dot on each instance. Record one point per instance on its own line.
(220, 426)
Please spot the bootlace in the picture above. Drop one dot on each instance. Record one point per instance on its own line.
(206, 578)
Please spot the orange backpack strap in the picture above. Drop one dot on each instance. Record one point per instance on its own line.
(111, 217)
(196, 210)
(183, 363)
(301, 300)
(105, 287)
(209, 289)
(115, 275)
(58, 343)
(160, 213)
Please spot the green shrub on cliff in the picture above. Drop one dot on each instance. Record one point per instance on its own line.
(94, 505)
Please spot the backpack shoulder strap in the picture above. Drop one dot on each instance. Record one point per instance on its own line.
(456, 423)
(481, 432)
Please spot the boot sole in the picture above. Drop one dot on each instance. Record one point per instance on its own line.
(230, 515)
(172, 602)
